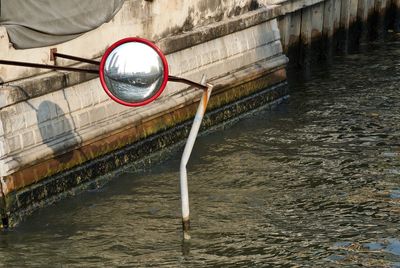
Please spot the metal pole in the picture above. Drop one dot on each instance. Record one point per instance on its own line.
(186, 155)
(70, 57)
(186, 81)
(46, 66)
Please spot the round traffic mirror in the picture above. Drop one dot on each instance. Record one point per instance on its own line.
(133, 71)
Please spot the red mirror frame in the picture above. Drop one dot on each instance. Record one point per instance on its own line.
(137, 40)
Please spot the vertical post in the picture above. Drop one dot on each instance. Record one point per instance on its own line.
(305, 39)
(328, 29)
(317, 24)
(343, 43)
(362, 17)
(186, 155)
(289, 27)
(396, 6)
(354, 27)
(3, 209)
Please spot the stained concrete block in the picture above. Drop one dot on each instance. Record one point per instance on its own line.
(46, 131)
(98, 114)
(62, 107)
(37, 136)
(18, 123)
(222, 49)
(31, 118)
(73, 99)
(61, 126)
(14, 144)
(28, 139)
(84, 119)
(3, 151)
(43, 112)
(1, 128)
(86, 99)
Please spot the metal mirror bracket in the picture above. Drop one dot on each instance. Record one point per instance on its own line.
(46, 66)
(187, 82)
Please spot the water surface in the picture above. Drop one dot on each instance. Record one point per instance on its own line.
(315, 182)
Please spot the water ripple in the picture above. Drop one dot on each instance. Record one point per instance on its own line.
(313, 183)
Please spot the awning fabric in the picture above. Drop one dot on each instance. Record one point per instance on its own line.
(38, 23)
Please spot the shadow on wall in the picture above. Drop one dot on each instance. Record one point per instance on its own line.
(56, 130)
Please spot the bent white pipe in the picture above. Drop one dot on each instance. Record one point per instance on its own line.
(186, 155)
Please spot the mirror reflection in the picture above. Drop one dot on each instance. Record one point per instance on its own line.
(133, 72)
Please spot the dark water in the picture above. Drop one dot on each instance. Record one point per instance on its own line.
(315, 182)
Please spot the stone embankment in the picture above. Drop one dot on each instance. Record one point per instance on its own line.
(60, 133)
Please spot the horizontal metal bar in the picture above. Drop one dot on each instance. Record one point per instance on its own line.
(70, 57)
(45, 66)
(185, 81)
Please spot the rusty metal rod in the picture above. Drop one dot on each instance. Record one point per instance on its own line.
(70, 57)
(186, 81)
(45, 66)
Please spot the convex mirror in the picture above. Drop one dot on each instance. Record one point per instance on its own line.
(133, 71)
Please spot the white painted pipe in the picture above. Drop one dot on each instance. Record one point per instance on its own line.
(186, 155)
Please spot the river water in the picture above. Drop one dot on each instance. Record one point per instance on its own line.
(314, 182)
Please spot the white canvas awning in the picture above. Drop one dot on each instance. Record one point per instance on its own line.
(38, 23)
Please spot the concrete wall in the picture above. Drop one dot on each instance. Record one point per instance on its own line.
(49, 124)
(57, 124)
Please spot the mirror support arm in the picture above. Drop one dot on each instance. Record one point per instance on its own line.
(70, 57)
(46, 66)
(187, 82)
